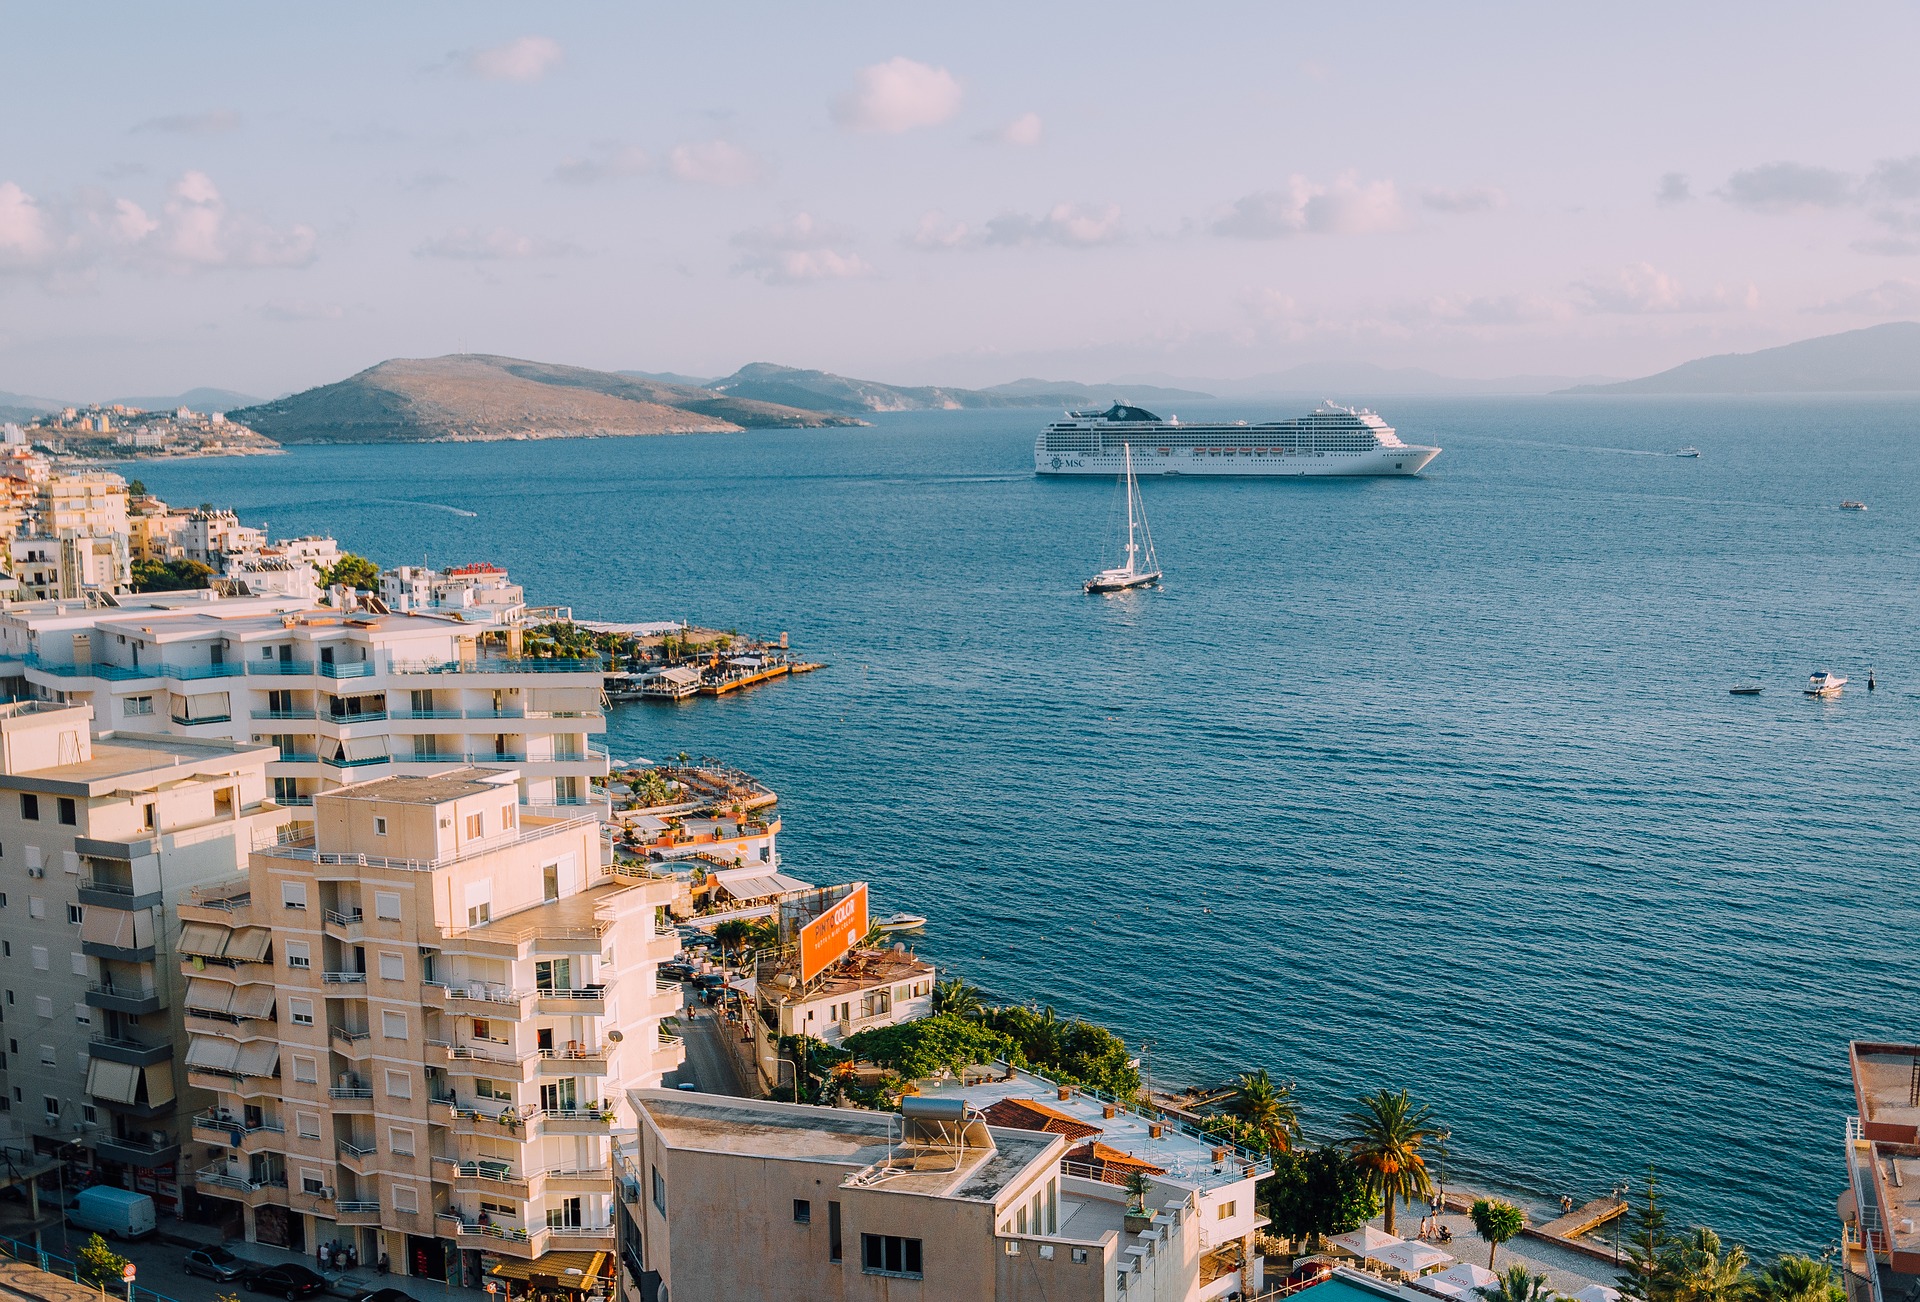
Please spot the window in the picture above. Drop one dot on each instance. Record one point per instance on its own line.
(293, 895)
(479, 913)
(379, 825)
(1019, 1222)
(301, 1011)
(150, 815)
(399, 1085)
(659, 1192)
(307, 1125)
(393, 1025)
(83, 1014)
(889, 1254)
(47, 1056)
(87, 1113)
(802, 1211)
(29, 806)
(553, 974)
(1046, 1252)
(833, 1231)
(40, 958)
(405, 1198)
(306, 1071)
(393, 967)
(1227, 1210)
(476, 825)
(312, 1182)
(386, 904)
(400, 1141)
(36, 907)
(1079, 1256)
(74, 915)
(139, 706)
(299, 953)
(43, 1005)
(52, 1105)
(69, 812)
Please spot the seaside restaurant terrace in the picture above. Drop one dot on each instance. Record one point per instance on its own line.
(1880, 1210)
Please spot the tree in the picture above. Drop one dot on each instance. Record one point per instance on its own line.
(169, 576)
(957, 997)
(1384, 1134)
(1267, 1108)
(930, 1045)
(733, 934)
(352, 571)
(137, 488)
(97, 1262)
(1646, 1277)
(1704, 1271)
(1318, 1192)
(1517, 1285)
(1796, 1279)
(1138, 1185)
(1495, 1220)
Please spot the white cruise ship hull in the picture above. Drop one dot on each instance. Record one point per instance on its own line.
(1403, 460)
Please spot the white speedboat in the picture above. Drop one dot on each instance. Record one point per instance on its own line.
(1851, 505)
(1687, 452)
(900, 922)
(1822, 683)
(1141, 569)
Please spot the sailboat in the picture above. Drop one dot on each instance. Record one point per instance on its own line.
(1139, 571)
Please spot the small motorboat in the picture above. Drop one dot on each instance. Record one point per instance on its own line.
(1744, 689)
(1853, 506)
(1687, 452)
(900, 922)
(1822, 683)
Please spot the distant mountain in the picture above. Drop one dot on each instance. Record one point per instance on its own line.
(671, 377)
(1879, 359)
(1365, 381)
(21, 406)
(825, 391)
(193, 400)
(470, 396)
(1058, 393)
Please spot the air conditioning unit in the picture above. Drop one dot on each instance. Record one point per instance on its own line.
(36, 872)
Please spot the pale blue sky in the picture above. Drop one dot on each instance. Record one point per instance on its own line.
(264, 197)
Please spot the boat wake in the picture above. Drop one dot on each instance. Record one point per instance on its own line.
(427, 506)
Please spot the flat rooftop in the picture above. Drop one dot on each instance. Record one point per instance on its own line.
(570, 914)
(119, 758)
(862, 969)
(429, 789)
(1185, 1159)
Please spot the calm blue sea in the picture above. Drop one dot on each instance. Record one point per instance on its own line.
(1429, 783)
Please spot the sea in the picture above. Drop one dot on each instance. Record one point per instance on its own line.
(1431, 783)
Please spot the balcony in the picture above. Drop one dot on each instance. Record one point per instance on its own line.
(130, 1051)
(192, 672)
(575, 1180)
(517, 1241)
(344, 924)
(212, 1128)
(499, 1055)
(286, 716)
(142, 1153)
(279, 668)
(569, 1121)
(217, 1178)
(126, 998)
(580, 1061)
(588, 1001)
(100, 894)
(91, 669)
(356, 1211)
(363, 716)
(194, 721)
(489, 1178)
(354, 1158)
(222, 906)
(344, 978)
(318, 1201)
(346, 669)
(476, 999)
(348, 762)
(471, 1120)
(498, 665)
(350, 1043)
(119, 953)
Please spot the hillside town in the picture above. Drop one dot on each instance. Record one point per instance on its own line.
(336, 936)
(123, 433)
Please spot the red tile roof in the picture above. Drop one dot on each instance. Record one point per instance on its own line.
(1025, 1114)
(1109, 1165)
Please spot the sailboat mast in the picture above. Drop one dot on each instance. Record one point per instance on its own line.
(1132, 548)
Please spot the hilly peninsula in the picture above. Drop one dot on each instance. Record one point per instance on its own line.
(477, 397)
(843, 395)
(1879, 359)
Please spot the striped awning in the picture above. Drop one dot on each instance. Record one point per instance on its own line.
(591, 1266)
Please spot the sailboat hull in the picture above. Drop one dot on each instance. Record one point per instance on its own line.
(1122, 583)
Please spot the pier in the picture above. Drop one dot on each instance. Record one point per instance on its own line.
(1566, 1230)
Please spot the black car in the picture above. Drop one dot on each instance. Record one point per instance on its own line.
(384, 1295)
(214, 1263)
(289, 1282)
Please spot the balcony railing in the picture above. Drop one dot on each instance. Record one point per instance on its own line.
(348, 762)
(346, 919)
(498, 665)
(218, 1177)
(355, 1151)
(202, 671)
(349, 1091)
(365, 716)
(357, 1206)
(93, 669)
(279, 668)
(344, 978)
(227, 898)
(352, 669)
(351, 1037)
(287, 715)
(189, 721)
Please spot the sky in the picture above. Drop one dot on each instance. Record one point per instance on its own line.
(265, 198)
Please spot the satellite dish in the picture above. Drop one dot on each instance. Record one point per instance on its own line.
(615, 1036)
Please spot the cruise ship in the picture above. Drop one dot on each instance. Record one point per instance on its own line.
(1329, 440)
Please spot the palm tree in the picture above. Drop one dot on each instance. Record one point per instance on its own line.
(1496, 1221)
(1516, 1285)
(957, 997)
(1703, 1272)
(1267, 1109)
(1138, 1185)
(1384, 1134)
(1796, 1279)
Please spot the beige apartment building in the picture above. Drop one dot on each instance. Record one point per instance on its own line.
(99, 838)
(737, 1200)
(419, 1023)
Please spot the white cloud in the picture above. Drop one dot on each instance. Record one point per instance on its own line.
(1898, 297)
(1024, 132)
(211, 123)
(799, 251)
(1074, 225)
(624, 161)
(466, 244)
(713, 162)
(525, 58)
(1346, 206)
(936, 232)
(195, 230)
(1674, 188)
(1643, 289)
(897, 96)
(1476, 198)
(1786, 187)
(1895, 178)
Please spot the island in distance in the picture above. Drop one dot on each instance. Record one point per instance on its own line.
(1878, 359)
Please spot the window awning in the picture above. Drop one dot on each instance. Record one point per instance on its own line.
(158, 1083)
(120, 929)
(249, 944)
(259, 1059)
(113, 1081)
(209, 996)
(212, 1053)
(365, 747)
(207, 705)
(253, 1001)
(204, 940)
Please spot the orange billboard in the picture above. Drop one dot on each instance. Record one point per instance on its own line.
(826, 940)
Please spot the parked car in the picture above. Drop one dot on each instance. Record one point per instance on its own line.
(289, 1282)
(215, 1264)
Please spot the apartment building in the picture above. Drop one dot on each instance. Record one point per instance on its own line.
(1880, 1210)
(210, 536)
(868, 988)
(99, 838)
(736, 1200)
(343, 696)
(420, 1021)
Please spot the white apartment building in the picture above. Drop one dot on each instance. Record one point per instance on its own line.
(210, 536)
(420, 1022)
(342, 696)
(99, 838)
(477, 593)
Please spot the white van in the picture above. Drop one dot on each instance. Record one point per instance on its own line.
(116, 1213)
